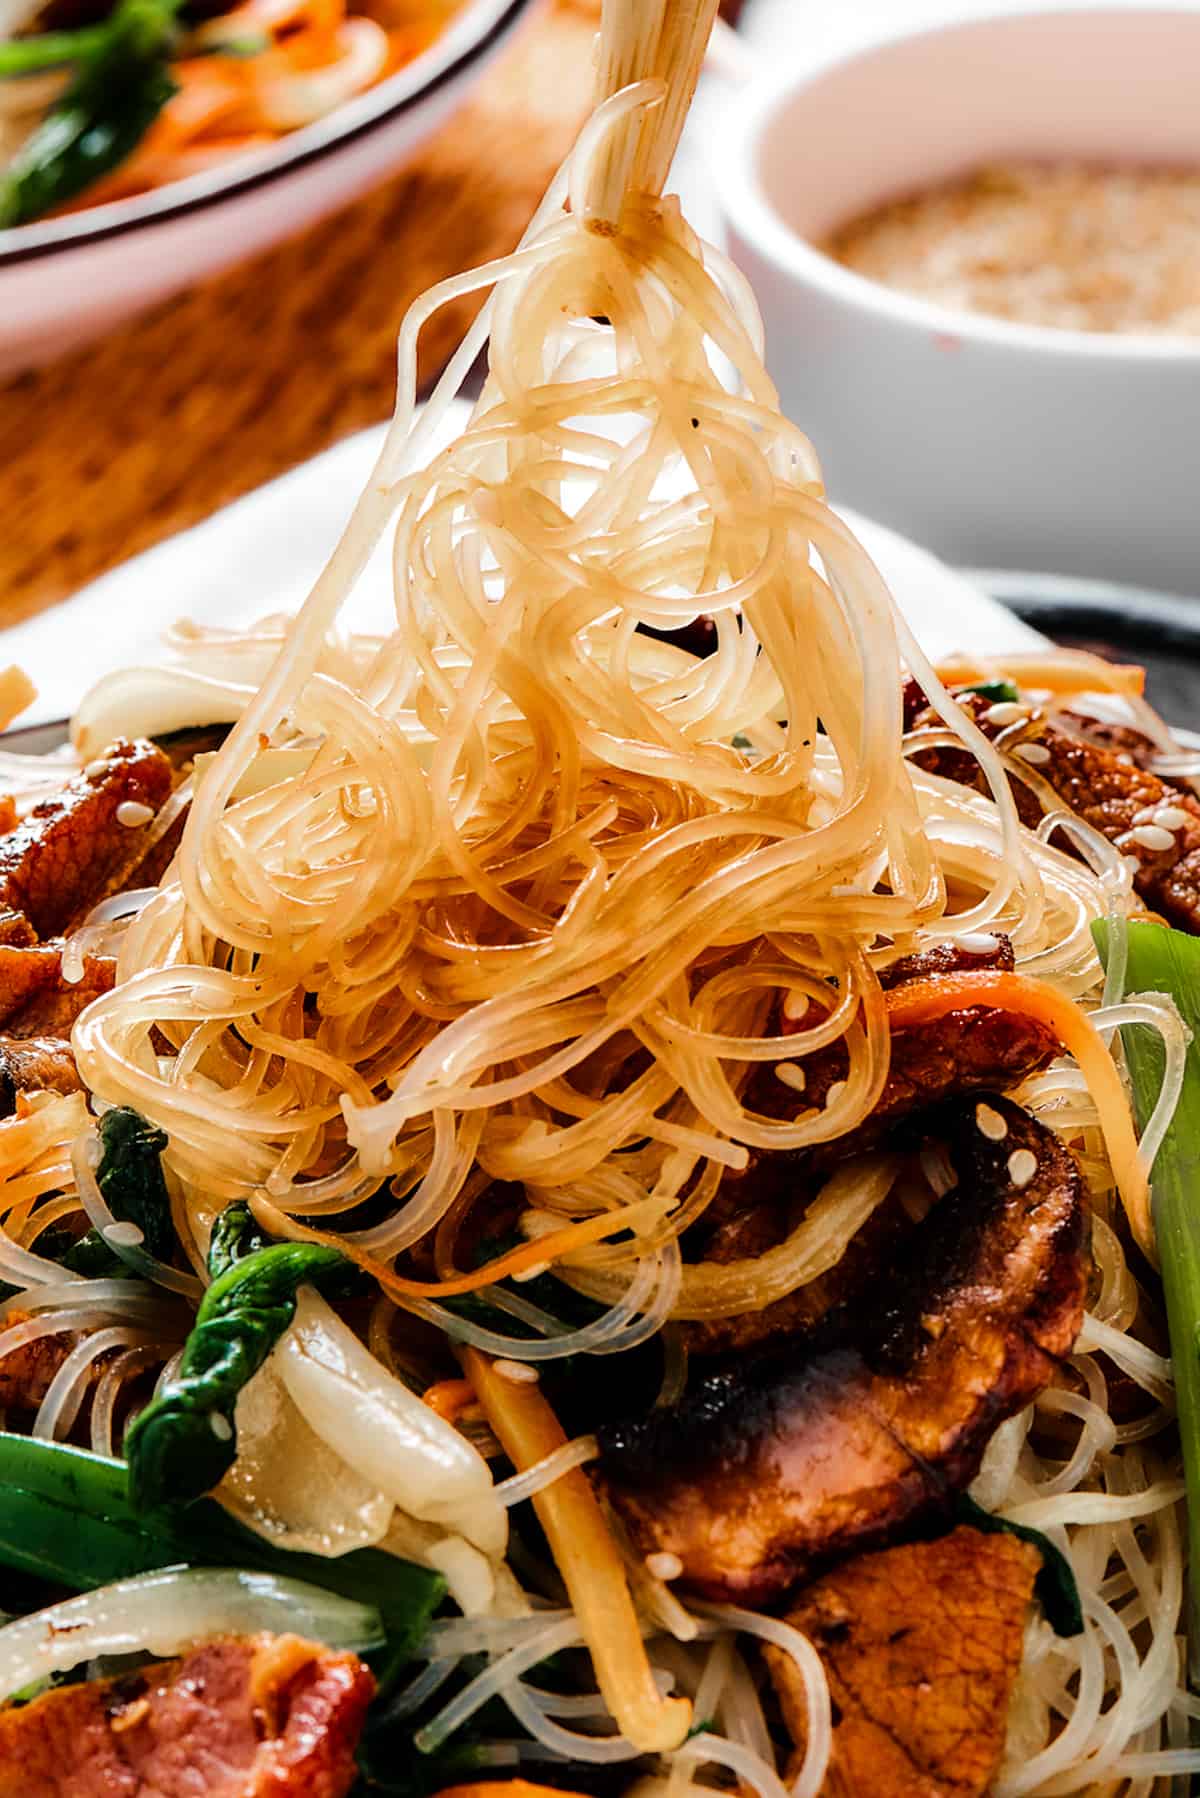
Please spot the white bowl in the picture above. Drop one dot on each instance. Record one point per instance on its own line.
(67, 279)
(994, 443)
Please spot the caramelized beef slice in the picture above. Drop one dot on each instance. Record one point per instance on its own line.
(990, 949)
(240, 1717)
(26, 1372)
(35, 1064)
(1107, 789)
(63, 856)
(921, 1645)
(825, 1443)
(872, 1250)
(52, 1010)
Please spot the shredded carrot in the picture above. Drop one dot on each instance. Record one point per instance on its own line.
(587, 1558)
(531, 1254)
(450, 1398)
(923, 1001)
(505, 1788)
(1075, 671)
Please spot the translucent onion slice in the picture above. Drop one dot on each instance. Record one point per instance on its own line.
(165, 1613)
(384, 1431)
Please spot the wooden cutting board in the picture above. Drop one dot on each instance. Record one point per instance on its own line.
(148, 431)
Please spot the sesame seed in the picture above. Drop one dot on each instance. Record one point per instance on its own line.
(1147, 815)
(95, 769)
(518, 1373)
(1125, 758)
(132, 813)
(791, 1074)
(1036, 754)
(1007, 711)
(835, 1092)
(795, 1005)
(1022, 1166)
(122, 1235)
(977, 942)
(990, 1123)
(1152, 836)
(220, 1426)
(531, 1273)
(1171, 817)
(664, 1565)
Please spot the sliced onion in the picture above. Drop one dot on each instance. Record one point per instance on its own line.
(385, 1432)
(165, 1613)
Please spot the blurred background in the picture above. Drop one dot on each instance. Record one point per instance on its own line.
(195, 325)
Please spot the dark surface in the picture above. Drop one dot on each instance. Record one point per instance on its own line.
(1124, 624)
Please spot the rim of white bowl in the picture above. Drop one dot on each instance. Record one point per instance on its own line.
(752, 109)
(470, 37)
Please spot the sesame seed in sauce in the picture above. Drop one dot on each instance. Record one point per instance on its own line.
(220, 1426)
(1036, 754)
(517, 1373)
(95, 769)
(791, 1074)
(1022, 1166)
(795, 1005)
(122, 1234)
(990, 1123)
(132, 813)
(977, 942)
(1171, 817)
(664, 1565)
(835, 1092)
(1152, 836)
(1006, 711)
(531, 1273)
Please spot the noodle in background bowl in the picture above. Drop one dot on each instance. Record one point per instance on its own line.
(63, 280)
(991, 442)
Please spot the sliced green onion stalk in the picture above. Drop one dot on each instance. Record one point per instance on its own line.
(1166, 961)
(66, 1517)
(167, 1612)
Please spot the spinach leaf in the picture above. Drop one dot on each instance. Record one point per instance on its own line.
(185, 1439)
(121, 83)
(998, 691)
(130, 1177)
(1055, 1585)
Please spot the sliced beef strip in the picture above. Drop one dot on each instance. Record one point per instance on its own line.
(35, 1064)
(1108, 790)
(239, 1717)
(53, 1009)
(826, 1444)
(26, 1372)
(64, 854)
(867, 1255)
(921, 1646)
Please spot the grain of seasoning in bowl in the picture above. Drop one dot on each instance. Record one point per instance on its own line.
(1074, 246)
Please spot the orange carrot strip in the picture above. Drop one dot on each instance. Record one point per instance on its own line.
(505, 1788)
(531, 1254)
(450, 1398)
(588, 1560)
(1077, 672)
(923, 1001)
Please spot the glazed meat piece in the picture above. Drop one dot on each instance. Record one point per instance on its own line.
(26, 1372)
(240, 1717)
(35, 1000)
(35, 1064)
(921, 1645)
(988, 949)
(60, 859)
(52, 1010)
(870, 1251)
(825, 1443)
(1144, 817)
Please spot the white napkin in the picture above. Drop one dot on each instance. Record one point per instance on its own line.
(262, 554)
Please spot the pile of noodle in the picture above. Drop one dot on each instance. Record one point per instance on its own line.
(513, 890)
